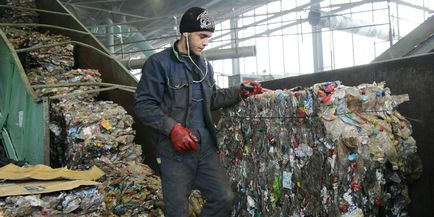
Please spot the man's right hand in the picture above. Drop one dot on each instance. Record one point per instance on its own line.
(249, 88)
(183, 139)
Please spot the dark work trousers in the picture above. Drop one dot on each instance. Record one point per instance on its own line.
(196, 170)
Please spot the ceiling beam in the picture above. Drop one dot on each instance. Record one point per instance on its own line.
(413, 5)
(275, 15)
(105, 10)
(91, 2)
(269, 31)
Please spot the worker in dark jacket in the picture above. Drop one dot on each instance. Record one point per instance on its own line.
(175, 97)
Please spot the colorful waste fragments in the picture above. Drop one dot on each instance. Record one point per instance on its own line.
(326, 150)
(17, 15)
(84, 131)
(84, 201)
(100, 133)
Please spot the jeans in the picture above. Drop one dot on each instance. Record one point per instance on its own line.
(196, 170)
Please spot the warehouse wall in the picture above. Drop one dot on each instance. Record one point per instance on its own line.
(414, 76)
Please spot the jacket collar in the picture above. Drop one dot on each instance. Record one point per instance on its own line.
(175, 51)
(178, 55)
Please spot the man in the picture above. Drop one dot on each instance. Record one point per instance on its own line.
(174, 97)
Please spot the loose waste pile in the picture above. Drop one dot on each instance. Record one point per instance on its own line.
(85, 201)
(326, 150)
(85, 131)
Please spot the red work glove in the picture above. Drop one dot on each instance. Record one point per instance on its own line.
(183, 139)
(249, 88)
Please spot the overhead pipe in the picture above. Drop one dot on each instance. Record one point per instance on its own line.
(230, 53)
(212, 54)
(129, 32)
(360, 27)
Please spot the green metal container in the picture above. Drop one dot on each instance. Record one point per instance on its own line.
(22, 116)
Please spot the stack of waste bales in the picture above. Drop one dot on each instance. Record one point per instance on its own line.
(326, 150)
(100, 133)
(84, 131)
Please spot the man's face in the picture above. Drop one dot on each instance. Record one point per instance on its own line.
(198, 41)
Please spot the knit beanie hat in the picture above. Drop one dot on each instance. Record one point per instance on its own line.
(196, 19)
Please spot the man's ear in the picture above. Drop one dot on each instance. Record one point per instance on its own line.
(185, 34)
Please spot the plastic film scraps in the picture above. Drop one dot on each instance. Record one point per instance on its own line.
(84, 201)
(14, 15)
(100, 133)
(94, 129)
(196, 203)
(131, 189)
(326, 150)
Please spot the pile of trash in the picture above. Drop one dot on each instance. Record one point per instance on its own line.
(131, 189)
(88, 201)
(95, 129)
(100, 133)
(39, 190)
(84, 131)
(17, 15)
(326, 150)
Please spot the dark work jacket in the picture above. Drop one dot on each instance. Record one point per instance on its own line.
(164, 96)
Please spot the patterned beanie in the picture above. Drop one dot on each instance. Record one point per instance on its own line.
(196, 19)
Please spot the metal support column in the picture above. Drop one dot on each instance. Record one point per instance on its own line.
(109, 40)
(314, 20)
(234, 44)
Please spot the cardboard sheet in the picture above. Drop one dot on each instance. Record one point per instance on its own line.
(39, 187)
(43, 172)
